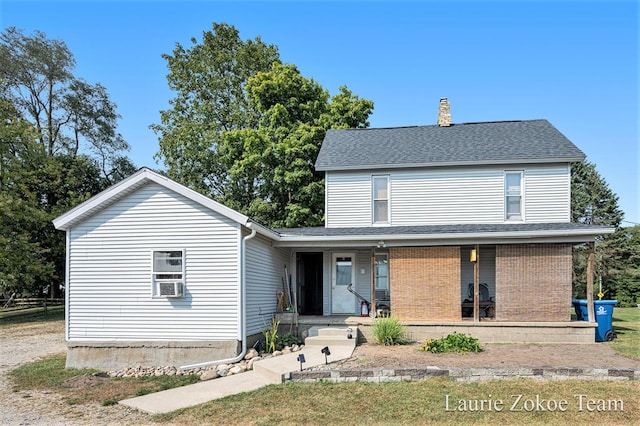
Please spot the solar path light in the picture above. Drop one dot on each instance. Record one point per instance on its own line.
(326, 353)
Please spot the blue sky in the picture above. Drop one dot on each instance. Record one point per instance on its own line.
(574, 63)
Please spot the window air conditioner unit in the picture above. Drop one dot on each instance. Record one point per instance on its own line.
(171, 289)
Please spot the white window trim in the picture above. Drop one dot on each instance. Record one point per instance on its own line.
(521, 219)
(373, 200)
(155, 289)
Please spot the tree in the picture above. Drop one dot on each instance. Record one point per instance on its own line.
(21, 253)
(58, 147)
(271, 168)
(71, 116)
(623, 265)
(208, 80)
(593, 202)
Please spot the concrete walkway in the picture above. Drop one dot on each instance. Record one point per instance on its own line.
(265, 372)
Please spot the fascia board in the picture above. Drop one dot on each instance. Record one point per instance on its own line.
(345, 168)
(262, 230)
(573, 236)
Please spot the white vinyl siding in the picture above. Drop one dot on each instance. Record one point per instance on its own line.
(548, 194)
(110, 302)
(440, 196)
(447, 196)
(265, 271)
(348, 199)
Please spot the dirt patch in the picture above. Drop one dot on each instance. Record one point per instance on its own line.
(84, 380)
(597, 355)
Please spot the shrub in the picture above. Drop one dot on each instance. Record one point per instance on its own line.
(389, 331)
(271, 336)
(287, 339)
(452, 343)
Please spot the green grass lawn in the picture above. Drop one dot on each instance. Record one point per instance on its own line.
(626, 324)
(21, 316)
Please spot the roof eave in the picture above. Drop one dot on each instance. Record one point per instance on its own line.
(577, 159)
(396, 240)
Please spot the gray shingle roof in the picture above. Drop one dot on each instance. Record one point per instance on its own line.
(381, 231)
(503, 142)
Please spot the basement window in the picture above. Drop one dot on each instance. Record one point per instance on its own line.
(167, 273)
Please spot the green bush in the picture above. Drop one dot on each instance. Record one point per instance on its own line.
(275, 342)
(389, 331)
(452, 343)
(287, 339)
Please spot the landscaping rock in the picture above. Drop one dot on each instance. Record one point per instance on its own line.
(209, 374)
(251, 353)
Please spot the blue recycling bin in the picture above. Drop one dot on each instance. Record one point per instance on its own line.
(604, 317)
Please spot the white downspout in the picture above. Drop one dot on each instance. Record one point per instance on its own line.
(243, 311)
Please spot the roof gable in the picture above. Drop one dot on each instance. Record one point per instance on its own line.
(503, 142)
(131, 184)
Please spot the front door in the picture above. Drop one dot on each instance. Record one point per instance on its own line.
(343, 301)
(309, 281)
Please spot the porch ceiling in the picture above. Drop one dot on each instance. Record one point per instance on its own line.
(434, 235)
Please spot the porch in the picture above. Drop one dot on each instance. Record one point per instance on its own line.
(487, 331)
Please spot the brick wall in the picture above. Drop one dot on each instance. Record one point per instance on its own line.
(425, 283)
(533, 282)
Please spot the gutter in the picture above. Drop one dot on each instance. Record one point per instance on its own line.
(241, 304)
(446, 236)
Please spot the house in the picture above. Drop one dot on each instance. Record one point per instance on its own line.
(450, 227)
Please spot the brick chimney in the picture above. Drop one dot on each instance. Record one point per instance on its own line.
(444, 113)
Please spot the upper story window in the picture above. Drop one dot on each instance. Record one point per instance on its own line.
(167, 275)
(513, 195)
(380, 199)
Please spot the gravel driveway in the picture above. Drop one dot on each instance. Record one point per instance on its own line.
(28, 342)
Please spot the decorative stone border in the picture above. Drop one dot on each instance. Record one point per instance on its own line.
(205, 373)
(408, 374)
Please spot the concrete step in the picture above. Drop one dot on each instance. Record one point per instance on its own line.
(329, 341)
(338, 331)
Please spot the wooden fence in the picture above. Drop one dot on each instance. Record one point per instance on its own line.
(31, 302)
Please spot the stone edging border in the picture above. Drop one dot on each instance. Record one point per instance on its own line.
(475, 374)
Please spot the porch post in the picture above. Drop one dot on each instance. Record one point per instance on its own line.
(373, 283)
(590, 265)
(476, 285)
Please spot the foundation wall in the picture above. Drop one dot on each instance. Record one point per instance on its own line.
(485, 331)
(116, 355)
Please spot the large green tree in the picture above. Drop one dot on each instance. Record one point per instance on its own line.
(58, 146)
(272, 178)
(70, 115)
(208, 80)
(626, 264)
(245, 129)
(593, 202)
(35, 188)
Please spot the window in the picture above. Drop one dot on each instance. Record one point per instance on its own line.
(167, 273)
(513, 195)
(380, 199)
(382, 276)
